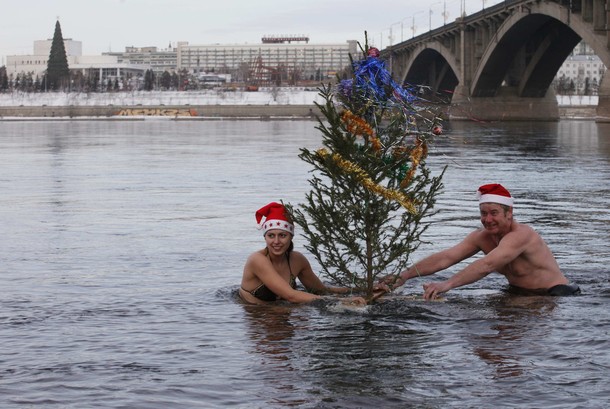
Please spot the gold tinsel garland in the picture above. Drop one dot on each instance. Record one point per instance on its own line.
(359, 127)
(368, 183)
(356, 125)
(420, 151)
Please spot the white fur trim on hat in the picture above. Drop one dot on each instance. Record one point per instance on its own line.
(489, 198)
(276, 224)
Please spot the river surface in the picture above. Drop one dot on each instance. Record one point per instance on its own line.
(123, 242)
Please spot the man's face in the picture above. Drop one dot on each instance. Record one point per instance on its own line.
(495, 218)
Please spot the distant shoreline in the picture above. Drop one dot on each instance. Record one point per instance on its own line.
(203, 113)
(188, 112)
(269, 104)
(290, 103)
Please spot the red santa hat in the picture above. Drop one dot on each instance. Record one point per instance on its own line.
(494, 193)
(273, 216)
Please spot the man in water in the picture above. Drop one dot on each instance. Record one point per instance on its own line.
(512, 249)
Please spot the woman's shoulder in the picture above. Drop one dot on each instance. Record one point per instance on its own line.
(257, 256)
(298, 260)
(297, 255)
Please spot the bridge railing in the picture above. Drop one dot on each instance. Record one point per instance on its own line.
(426, 19)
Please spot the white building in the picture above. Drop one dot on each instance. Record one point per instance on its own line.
(159, 60)
(274, 59)
(73, 48)
(36, 63)
(582, 67)
(104, 67)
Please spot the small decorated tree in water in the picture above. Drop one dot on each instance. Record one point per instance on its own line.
(371, 187)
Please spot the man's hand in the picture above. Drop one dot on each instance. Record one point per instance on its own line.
(389, 283)
(434, 290)
(353, 301)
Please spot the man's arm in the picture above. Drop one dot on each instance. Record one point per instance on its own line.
(509, 248)
(438, 261)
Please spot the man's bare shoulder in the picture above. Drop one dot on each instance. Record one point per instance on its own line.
(521, 235)
(522, 229)
(472, 243)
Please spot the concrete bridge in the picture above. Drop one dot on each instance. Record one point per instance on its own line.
(498, 64)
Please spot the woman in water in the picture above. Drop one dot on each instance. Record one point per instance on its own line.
(270, 274)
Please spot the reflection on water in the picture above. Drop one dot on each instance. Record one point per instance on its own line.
(518, 319)
(123, 244)
(271, 331)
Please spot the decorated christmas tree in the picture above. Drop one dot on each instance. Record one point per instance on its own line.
(371, 188)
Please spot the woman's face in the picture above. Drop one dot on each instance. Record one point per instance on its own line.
(278, 241)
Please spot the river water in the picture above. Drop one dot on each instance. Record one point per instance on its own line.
(123, 242)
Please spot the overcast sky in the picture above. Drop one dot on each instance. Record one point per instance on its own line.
(104, 25)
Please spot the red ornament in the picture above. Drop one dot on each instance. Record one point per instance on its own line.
(437, 130)
(373, 52)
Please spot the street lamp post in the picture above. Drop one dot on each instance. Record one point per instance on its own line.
(413, 27)
(392, 34)
(430, 16)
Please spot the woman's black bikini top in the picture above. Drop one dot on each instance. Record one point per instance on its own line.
(265, 294)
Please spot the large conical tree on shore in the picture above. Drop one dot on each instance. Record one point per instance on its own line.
(371, 188)
(3, 79)
(58, 72)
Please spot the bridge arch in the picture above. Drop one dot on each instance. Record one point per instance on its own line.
(527, 51)
(433, 65)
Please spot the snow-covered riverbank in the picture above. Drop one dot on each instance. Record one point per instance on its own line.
(277, 96)
(577, 100)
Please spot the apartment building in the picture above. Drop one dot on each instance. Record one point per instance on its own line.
(291, 56)
(158, 60)
(583, 68)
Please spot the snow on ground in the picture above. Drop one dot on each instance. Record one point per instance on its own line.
(278, 96)
(577, 100)
(273, 96)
